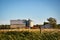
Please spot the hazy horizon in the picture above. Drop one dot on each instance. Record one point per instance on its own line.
(36, 10)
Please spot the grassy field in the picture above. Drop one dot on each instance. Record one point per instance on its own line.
(31, 34)
(25, 35)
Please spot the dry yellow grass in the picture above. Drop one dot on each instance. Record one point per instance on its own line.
(30, 30)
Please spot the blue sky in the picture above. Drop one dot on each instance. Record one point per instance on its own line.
(36, 10)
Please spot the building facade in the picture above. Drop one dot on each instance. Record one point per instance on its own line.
(30, 23)
(21, 23)
(17, 24)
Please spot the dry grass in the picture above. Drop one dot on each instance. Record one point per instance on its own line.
(31, 30)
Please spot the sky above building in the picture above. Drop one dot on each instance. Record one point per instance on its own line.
(36, 10)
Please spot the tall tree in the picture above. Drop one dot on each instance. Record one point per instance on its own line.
(52, 21)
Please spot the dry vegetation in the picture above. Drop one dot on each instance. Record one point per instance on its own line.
(26, 35)
(30, 30)
(29, 34)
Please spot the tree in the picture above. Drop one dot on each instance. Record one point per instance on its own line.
(45, 23)
(52, 21)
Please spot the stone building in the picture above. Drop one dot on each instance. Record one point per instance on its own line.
(21, 23)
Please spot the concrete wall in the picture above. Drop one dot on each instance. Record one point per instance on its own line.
(17, 26)
(17, 22)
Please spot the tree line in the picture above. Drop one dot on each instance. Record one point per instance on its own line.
(4, 26)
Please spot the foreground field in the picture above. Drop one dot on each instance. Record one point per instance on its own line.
(26, 35)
